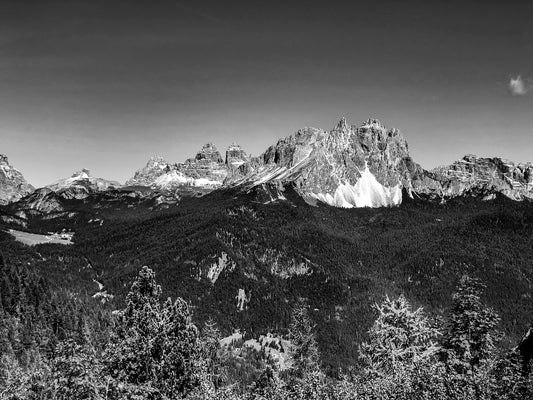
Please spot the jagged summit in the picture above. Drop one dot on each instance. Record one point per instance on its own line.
(82, 174)
(345, 167)
(13, 186)
(154, 168)
(342, 125)
(485, 175)
(155, 159)
(209, 153)
(373, 123)
(235, 155)
(349, 166)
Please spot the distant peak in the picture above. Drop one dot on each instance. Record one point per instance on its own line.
(84, 173)
(234, 146)
(469, 157)
(342, 125)
(209, 152)
(373, 122)
(156, 161)
(209, 146)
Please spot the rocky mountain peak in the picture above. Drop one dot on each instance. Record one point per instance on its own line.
(209, 153)
(472, 174)
(234, 146)
(342, 125)
(13, 186)
(155, 160)
(372, 123)
(348, 166)
(235, 155)
(154, 168)
(82, 174)
(80, 185)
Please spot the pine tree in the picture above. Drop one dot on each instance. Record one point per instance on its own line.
(210, 359)
(75, 373)
(511, 382)
(470, 336)
(154, 349)
(399, 339)
(304, 355)
(307, 380)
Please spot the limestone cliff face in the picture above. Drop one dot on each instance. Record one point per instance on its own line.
(204, 172)
(481, 175)
(206, 165)
(365, 165)
(13, 186)
(349, 166)
(146, 176)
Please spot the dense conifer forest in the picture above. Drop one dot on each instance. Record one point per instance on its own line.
(343, 287)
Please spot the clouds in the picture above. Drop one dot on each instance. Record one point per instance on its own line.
(518, 86)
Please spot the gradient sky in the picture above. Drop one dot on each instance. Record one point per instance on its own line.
(105, 84)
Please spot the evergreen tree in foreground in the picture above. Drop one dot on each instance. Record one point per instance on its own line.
(307, 378)
(470, 336)
(304, 354)
(399, 338)
(154, 349)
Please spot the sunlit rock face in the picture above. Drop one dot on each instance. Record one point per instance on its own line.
(349, 166)
(44, 200)
(484, 176)
(365, 165)
(207, 168)
(205, 172)
(235, 156)
(146, 176)
(80, 185)
(239, 164)
(13, 186)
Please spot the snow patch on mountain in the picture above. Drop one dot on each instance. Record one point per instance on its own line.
(81, 184)
(367, 192)
(171, 178)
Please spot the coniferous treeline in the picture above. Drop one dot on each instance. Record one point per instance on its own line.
(353, 256)
(154, 351)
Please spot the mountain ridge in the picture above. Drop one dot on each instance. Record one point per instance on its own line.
(365, 165)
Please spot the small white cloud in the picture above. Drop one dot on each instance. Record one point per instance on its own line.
(518, 86)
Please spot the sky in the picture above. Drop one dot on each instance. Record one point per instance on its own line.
(105, 84)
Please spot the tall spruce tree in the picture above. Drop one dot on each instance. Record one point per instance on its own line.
(304, 354)
(470, 336)
(307, 380)
(154, 350)
(400, 338)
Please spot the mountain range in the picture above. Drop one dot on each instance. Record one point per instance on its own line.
(349, 166)
(340, 218)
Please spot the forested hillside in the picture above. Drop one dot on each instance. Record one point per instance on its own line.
(244, 263)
